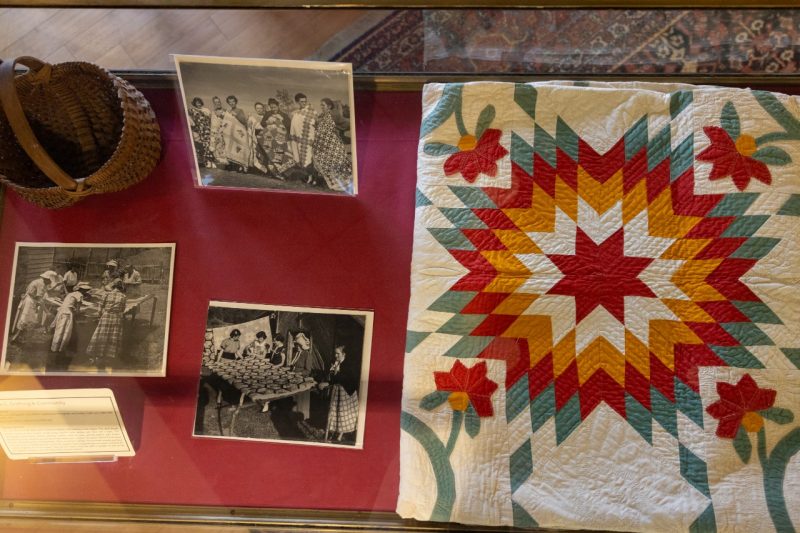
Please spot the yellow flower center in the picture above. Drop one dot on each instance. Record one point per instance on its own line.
(746, 145)
(458, 401)
(467, 143)
(752, 422)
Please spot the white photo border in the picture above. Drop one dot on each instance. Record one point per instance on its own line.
(276, 63)
(366, 356)
(10, 311)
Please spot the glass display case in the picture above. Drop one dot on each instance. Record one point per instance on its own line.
(287, 251)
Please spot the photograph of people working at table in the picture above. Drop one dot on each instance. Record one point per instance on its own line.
(279, 373)
(89, 309)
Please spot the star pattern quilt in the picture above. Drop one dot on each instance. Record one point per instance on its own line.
(604, 325)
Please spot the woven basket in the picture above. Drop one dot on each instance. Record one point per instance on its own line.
(74, 125)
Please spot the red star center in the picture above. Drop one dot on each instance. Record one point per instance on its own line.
(600, 274)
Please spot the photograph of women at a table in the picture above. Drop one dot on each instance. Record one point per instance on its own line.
(279, 373)
(86, 309)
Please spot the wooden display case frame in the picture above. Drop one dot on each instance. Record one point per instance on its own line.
(123, 517)
(403, 4)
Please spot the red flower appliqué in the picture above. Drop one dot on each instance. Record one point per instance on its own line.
(738, 405)
(476, 156)
(733, 158)
(467, 386)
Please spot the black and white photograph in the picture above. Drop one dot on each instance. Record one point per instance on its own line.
(284, 374)
(270, 124)
(89, 309)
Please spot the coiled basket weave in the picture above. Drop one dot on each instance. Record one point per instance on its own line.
(72, 129)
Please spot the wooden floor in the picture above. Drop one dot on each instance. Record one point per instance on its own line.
(144, 38)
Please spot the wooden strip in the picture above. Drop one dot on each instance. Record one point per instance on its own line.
(406, 4)
(272, 520)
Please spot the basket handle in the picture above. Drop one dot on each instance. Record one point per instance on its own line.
(22, 128)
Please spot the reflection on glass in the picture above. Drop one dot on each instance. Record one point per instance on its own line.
(596, 41)
(486, 41)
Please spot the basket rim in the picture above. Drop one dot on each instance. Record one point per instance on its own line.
(124, 93)
(134, 153)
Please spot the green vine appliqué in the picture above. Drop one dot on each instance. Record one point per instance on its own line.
(468, 391)
(742, 409)
(474, 153)
(741, 156)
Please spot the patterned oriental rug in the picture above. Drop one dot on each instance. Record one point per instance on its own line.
(604, 325)
(552, 41)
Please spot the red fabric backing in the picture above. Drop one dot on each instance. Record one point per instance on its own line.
(311, 250)
(324, 251)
